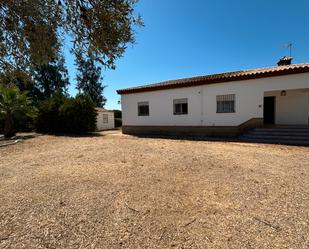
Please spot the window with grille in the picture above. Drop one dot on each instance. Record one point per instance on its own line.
(180, 106)
(226, 103)
(143, 108)
(105, 118)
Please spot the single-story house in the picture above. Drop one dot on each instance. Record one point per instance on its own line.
(105, 119)
(226, 104)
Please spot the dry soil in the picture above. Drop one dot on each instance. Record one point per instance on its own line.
(117, 191)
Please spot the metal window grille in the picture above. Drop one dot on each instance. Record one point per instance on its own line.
(143, 108)
(180, 106)
(105, 118)
(226, 103)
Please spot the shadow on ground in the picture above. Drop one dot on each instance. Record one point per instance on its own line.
(209, 139)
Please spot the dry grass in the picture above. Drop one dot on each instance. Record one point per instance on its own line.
(115, 191)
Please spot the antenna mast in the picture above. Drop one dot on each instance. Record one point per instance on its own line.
(290, 45)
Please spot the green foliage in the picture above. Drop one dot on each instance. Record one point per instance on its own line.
(48, 119)
(51, 78)
(118, 118)
(118, 122)
(14, 104)
(89, 81)
(46, 79)
(117, 113)
(60, 114)
(32, 34)
(32, 31)
(29, 32)
(78, 115)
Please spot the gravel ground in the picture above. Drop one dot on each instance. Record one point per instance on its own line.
(117, 191)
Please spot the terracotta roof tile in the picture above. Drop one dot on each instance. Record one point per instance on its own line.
(220, 78)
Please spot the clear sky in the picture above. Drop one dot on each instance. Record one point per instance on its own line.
(184, 38)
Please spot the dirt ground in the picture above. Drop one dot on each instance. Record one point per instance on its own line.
(117, 191)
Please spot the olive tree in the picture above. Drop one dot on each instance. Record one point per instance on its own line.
(33, 31)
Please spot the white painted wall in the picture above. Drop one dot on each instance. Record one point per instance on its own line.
(202, 103)
(291, 109)
(105, 126)
(161, 107)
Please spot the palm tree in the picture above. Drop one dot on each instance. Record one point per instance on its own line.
(13, 102)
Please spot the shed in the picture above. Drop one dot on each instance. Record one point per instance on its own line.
(105, 119)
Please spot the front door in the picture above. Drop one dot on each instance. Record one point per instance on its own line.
(269, 110)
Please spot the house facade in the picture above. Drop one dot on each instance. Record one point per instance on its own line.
(225, 104)
(105, 119)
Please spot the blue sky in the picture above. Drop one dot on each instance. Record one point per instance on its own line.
(184, 38)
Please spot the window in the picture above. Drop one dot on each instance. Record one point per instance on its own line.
(105, 118)
(226, 103)
(143, 108)
(180, 106)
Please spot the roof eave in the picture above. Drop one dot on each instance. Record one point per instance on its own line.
(223, 79)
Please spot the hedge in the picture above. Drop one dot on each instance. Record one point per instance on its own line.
(61, 114)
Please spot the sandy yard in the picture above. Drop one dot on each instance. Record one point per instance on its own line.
(117, 191)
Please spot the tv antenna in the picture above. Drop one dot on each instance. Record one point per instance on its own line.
(290, 46)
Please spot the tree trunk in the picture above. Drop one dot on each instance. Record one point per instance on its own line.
(9, 126)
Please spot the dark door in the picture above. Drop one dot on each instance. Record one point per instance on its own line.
(269, 110)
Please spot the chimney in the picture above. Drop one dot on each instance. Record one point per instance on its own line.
(285, 61)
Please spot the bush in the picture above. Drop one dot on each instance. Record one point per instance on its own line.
(118, 118)
(22, 123)
(48, 119)
(117, 114)
(78, 115)
(118, 122)
(60, 114)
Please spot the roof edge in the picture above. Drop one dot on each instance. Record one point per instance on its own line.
(220, 78)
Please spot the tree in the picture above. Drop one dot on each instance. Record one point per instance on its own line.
(89, 81)
(66, 115)
(32, 31)
(13, 102)
(29, 33)
(118, 118)
(78, 115)
(51, 78)
(21, 80)
(48, 119)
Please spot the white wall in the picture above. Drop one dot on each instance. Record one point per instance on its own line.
(291, 109)
(105, 126)
(161, 107)
(202, 102)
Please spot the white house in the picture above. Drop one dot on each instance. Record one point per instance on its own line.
(225, 104)
(105, 119)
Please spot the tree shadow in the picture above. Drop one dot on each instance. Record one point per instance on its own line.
(74, 135)
(25, 136)
(20, 136)
(29, 135)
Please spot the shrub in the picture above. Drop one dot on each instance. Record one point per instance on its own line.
(118, 122)
(78, 115)
(48, 119)
(117, 114)
(14, 106)
(60, 114)
(118, 118)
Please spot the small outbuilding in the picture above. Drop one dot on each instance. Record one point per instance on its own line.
(105, 119)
